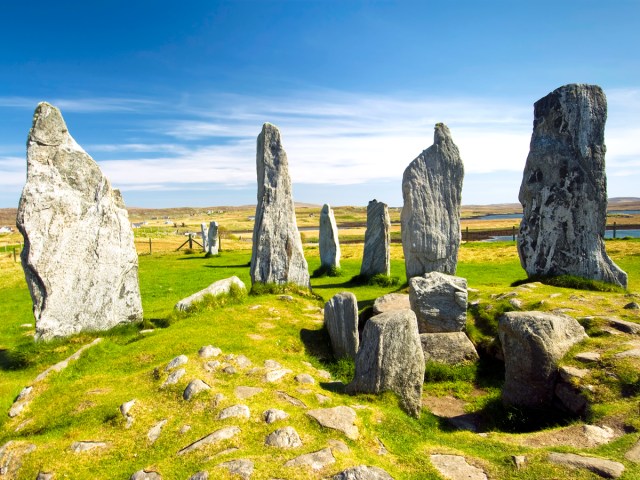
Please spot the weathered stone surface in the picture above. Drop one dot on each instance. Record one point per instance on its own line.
(391, 302)
(79, 258)
(564, 188)
(430, 220)
(275, 375)
(632, 306)
(339, 418)
(234, 411)
(451, 348)
(341, 319)
(363, 472)
(176, 362)
(286, 437)
(195, 386)
(277, 255)
(212, 239)
(533, 343)
(273, 415)
(624, 326)
(209, 351)
(45, 476)
(85, 446)
(219, 435)
(202, 475)
(391, 358)
(439, 302)
(304, 378)
(600, 466)
(146, 475)
(329, 244)
(204, 231)
(241, 467)
(154, 432)
(587, 357)
(292, 400)
(633, 454)
(174, 377)
(377, 254)
(220, 287)
(455, 467)
(314, 460)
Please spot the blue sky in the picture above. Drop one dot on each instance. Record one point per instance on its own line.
(168, 97)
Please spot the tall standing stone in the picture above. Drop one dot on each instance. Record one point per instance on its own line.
(212, 239)
(377, 254)
(277, 255)
(204, 231)
(564, 188)
(329, 243)
(341, 320)
(79, 258)
(430, 220)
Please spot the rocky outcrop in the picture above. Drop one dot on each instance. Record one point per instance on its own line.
(341, 320)
(221, 287)
(390, 358)
(564, 188)
(328, 239)
(277, 255)
(439, 302)
(432, 191)
(452, 348)
(532, 344)
(79, 258)
(376, 258)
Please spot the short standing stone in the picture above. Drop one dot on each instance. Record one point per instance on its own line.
(285, 437)
(564, 188)
(277, 255)
(195, 386)
(432, 191)
(391, 302)
(452, 348)
(79, 258)
(533, 343)
(329, 244)
(221, 287)
(204, 231)
(376, 258)
(391, 358)
(212, 239)
(341, 319)
(439, 302)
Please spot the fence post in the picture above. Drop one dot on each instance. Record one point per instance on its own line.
(149, 245)
(467, 234)
(219, 243)
(514, 233)
(14, 254)
(190, 242)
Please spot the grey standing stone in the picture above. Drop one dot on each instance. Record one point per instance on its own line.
(430, 219)
(390, 358)
(212, 239)
(221, 287)
(329, 244)
(376, 258)
(363, 472)
(564, 188)
(79, 258)
(341, 320)
(533, 343)
(286, 437)
(204, 232)
(451, 348)
(439, 302)
(277, 255)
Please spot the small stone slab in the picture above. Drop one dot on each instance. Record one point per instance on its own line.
(240, 467)
(292, 400)
(45, 476)
(243, 362)
(286, 437)
(202, 475)
(624, 326)
(195, 386)
(599, 466)
(305, 379)
(243, 393)
(146, 475)
(154, 432)
(633, 353)
(235, 411)
(215, 437)
(633, 455)
(455, 467)
(176, 362)
(390, 302)
(363, 472)
(81, 447)
(315, 460)
(209, 351)
(272, 365)
(173, 377)
(338, 446)
(275, 375)
(587, 357)
(339, 418)
(217, 288)
(273, 415)
(568, 373)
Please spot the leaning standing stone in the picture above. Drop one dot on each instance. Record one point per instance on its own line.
(79, 258)
(432, 191)
(277, 255)
(564, 188)
(341, 319)
(328, 239)
(391, 358)
(377, 255)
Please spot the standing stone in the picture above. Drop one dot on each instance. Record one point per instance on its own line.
(341, 319)
(79, 258)
(204, 231)
(212, 239)
(391, 358)
(377, 255)
(439, 302)
(533, 343)
(277, 255)
(430, 220)
(564, 188)
(328, 242)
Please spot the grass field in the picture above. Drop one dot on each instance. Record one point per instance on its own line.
(81, 402)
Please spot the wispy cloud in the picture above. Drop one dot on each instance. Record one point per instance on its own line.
(80, 105)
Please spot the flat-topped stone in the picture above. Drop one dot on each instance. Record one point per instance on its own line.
(339, 418)
(390, 302)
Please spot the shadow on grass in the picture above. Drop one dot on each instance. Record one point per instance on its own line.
(317, 344)
(245, 265)
(13, 360)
